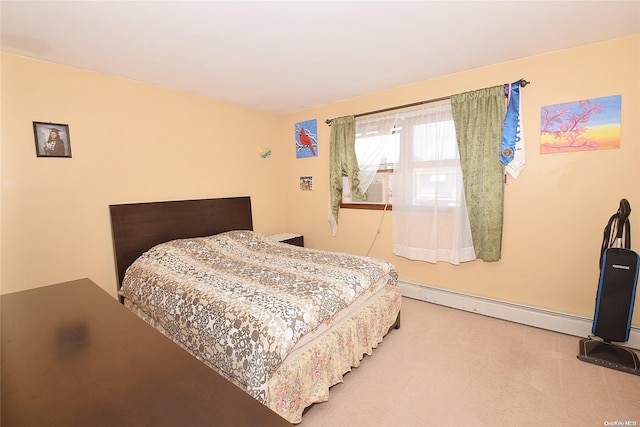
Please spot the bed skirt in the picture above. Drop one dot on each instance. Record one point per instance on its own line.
(305, 378)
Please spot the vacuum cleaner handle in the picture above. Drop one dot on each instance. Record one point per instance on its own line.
(615, 229)
(623, 213)
(623, 220)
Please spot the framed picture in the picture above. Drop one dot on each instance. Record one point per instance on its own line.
(306, 183)
(306, 135)
(585, 125)
(52, 139)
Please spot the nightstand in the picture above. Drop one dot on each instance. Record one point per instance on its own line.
(292, 239)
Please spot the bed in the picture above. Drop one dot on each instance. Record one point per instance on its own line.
(282, 322)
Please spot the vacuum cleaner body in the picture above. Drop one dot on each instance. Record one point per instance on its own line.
(616, 294)
(619, 267)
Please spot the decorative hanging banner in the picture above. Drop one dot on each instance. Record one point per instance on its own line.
(516, 165)
(510, 126)
(512, 153)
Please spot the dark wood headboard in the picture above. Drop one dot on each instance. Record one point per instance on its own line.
(137, 227)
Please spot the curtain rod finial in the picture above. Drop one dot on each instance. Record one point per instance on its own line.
(523, 82)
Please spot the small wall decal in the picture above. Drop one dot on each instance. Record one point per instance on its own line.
(265, 152)
(590, 124)
(306, 136)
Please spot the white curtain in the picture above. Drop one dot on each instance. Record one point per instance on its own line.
(375, 139)
(430, 221)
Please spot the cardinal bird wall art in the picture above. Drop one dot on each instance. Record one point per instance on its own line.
(306, 134)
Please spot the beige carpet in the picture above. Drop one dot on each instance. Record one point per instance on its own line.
(446, 367)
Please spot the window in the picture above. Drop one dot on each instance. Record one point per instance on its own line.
(430, 221)
(410, 160)
(432, 157)
(378, 151)
(409, 138)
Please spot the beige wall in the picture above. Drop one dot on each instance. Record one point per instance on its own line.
(135, 142)
(130, 142)
(555, 212)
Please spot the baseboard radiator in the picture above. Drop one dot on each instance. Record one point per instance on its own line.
(532, 316)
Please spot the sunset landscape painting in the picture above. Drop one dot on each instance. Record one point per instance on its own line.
(586, 125)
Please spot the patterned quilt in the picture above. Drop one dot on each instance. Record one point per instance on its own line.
(241, 301)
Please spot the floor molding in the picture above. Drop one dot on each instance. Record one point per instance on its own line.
(532, 316)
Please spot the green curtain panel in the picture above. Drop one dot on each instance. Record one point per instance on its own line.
(342, 162)
(478, 118)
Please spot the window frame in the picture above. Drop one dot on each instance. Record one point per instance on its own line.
(390, 170)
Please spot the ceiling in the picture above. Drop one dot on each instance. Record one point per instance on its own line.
(286, 56)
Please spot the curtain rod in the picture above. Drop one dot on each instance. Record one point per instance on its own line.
(523, 83)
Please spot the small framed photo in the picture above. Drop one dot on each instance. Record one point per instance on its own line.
(52, 139)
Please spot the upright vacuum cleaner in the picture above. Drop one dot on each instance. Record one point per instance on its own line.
(619, 267)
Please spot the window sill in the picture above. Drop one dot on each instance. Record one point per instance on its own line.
(369, 206)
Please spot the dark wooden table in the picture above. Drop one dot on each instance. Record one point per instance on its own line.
(73, 356)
